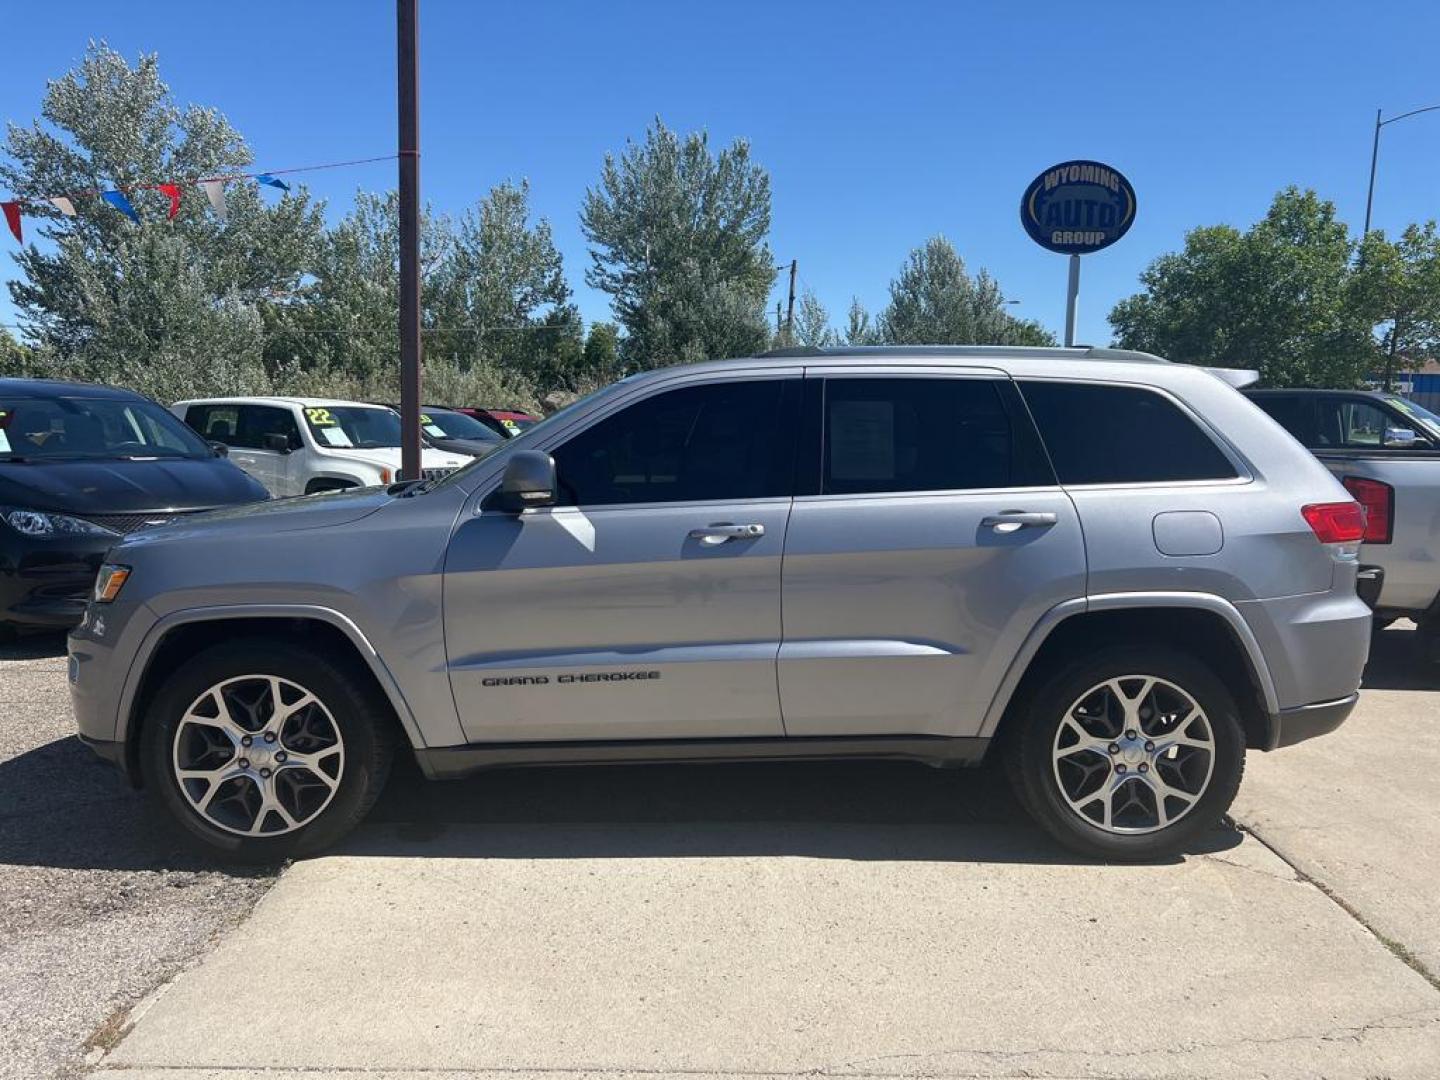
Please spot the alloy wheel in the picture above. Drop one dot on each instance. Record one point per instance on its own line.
(258, 755)
(1133, 754)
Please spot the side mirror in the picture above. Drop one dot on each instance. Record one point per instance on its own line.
(529, 481)
(218, 448)
(1400, 438)
(277, 442)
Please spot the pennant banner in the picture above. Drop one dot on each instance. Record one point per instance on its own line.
(12, 218)
(118, 200)
(172, 191)
(215, 192)
(214, 189)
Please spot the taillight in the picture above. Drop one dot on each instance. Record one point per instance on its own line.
(1378, 499)
(1335, 523)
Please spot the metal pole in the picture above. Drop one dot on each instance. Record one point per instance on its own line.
(1374, 157)
(407, 33)
(1072, 294)
(790, 306)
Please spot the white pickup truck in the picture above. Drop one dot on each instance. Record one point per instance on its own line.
(1385, 449)
(298, 446)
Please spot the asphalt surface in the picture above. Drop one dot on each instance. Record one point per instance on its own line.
(517, 922)
(98, 904)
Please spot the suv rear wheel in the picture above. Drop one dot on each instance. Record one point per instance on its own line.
(1129, 753)
(264, 751)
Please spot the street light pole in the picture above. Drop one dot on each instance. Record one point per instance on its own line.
(1375, 156)
(407, 35)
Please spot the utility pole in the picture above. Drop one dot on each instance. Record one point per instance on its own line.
(407, 46)
(790, 307)
(777, 317)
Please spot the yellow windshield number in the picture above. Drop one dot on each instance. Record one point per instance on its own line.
(320, 417)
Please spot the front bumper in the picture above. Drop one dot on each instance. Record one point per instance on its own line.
(46, 582)
(1291, 726)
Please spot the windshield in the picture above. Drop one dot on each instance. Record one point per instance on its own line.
(537, 430)
(444, 424)
(1423, 416)
(85, 428)
(353, 426)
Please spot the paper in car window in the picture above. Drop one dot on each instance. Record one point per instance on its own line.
(335, 436)
(434, 430)
(862, 440)
(4, 442)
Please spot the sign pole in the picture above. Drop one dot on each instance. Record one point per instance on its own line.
(1072, 295)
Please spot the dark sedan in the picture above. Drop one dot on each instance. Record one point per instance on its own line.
(80, 466)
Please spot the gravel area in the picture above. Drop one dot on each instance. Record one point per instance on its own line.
(98, 903)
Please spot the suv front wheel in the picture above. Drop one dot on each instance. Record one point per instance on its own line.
(264, 751)
(1128, 753)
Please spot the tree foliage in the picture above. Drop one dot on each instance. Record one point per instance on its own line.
(678, 239)
(166, 305)
(1398, 284)
(1283, 297)
(934, 301)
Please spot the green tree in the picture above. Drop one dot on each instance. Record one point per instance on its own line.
(1281, 297)
(1399, 284)
(858, 328)
(812, 323)
(935, 302)
(167, 307)
(678, 239)
(602, 353)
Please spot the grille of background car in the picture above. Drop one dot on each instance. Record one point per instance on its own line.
(435, 474)
(128, 523)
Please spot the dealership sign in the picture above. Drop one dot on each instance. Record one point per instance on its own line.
(1078, 207)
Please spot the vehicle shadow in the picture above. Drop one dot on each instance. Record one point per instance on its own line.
(60, 807)
(40, 646)
(1398, 661)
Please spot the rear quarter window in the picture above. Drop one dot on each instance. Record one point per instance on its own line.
(1100, 434)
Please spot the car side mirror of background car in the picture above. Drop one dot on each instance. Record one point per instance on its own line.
(529, 481)
(1400, 438)
(218, 448)
(277, 442)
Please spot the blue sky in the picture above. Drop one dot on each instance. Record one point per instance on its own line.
(881, 123)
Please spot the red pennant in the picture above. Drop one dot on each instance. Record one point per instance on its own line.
(12, 218)
(173, 191)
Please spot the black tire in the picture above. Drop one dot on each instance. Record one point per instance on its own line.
(360, 713)
(1036, 719)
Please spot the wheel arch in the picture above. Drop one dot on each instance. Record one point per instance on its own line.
(182, 634)
(1195, 622)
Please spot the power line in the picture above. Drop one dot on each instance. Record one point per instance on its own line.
(385, 330)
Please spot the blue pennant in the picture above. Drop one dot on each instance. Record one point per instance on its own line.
(117, 199)
(266, 178)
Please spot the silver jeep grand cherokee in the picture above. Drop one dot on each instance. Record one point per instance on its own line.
(1114, 571)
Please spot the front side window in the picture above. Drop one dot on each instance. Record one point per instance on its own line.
(720, 441)
(1354, 424)
(918, 434)
(258, 421)
(1100, 434)
(61, 428)
(344, 426)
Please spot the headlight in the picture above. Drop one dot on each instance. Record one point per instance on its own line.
(38, 523)
(109, 582)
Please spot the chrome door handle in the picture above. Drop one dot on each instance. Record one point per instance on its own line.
(722, 531)
(1008, 521)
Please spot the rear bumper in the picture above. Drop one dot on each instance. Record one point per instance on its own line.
(1290, 726)
(1369, 583)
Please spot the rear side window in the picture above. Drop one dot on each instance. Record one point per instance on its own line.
(218, 423)
(1121, 435)
(916, 434)
(726, 440)
(1292, 412)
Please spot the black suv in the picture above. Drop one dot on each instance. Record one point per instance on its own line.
(80, 466)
